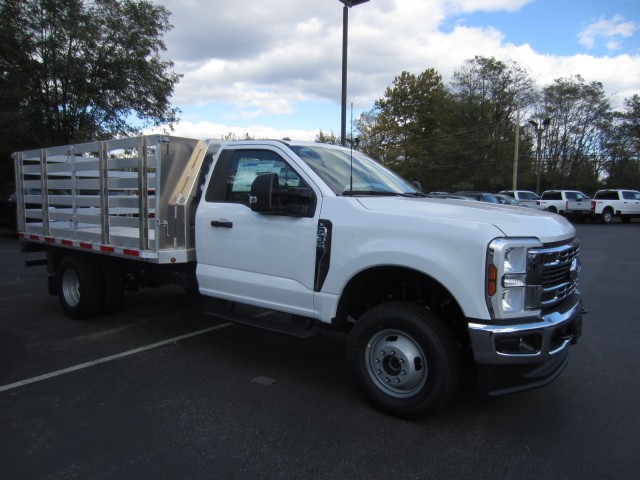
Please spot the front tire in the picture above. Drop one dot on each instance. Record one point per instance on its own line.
(80, 286)
(404, 358)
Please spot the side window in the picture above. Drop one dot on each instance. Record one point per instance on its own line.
(551, 196)
(236, 170)
(629, 195)
(607, 195)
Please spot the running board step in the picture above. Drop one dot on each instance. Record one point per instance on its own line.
(298, 330)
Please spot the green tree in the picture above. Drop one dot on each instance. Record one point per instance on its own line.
(14, 81)
(623, 168)
(488, 93)
(403, 128)
(74, 70)
(327, 137)
(574, 145)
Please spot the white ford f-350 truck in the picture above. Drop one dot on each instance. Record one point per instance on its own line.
(322, 233)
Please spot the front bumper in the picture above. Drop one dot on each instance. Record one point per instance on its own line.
(513, 358)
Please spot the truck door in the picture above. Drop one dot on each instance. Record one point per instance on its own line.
(631, 202)
(261, 259)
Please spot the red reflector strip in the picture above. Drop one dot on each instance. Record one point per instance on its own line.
(34, 237)
(49, 239)
(104, 248)
(86, 245)
(21, 235)
(68, 243)
(133, 253)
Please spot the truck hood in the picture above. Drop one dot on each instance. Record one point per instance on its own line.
(511, 221)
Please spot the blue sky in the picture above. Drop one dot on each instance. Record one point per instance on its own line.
(272, 68)
(553, 26)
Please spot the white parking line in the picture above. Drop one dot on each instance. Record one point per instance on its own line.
(110, 358)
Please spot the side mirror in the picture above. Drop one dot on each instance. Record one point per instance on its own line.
(262, 192)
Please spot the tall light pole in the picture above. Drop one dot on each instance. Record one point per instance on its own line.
(539, 130)
(345, 34)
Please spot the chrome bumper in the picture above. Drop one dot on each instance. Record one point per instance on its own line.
(511, 358)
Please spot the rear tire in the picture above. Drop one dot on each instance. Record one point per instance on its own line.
(80, 286)
(404, 358)
(606, 216)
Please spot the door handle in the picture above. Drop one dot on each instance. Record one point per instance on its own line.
(218, 223)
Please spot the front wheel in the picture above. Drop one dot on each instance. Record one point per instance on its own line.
(405, 359)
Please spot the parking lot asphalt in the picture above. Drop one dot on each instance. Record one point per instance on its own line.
(160, 390)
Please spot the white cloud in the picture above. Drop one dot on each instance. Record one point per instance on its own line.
(468, 6)
(265, 58)
(205, 130)
(607, 29)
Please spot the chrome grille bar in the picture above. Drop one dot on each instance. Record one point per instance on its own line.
(556, 269)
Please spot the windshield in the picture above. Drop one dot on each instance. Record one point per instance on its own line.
(490, 197)
(528, 196)
(334, 166)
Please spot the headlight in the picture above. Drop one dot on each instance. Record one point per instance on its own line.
(515, 260)
(509, 292)
(513, 300)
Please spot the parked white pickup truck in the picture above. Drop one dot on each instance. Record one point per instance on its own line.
(578, 209)
(607, 204)
(322, 233)
(556, 200)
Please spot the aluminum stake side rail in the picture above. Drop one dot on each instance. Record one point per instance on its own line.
(129, 197)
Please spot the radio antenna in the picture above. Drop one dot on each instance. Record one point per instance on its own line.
(351, 155)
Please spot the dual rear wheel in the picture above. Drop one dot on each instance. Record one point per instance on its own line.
(87, 286)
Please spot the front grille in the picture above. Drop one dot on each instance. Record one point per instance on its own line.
(555, 269)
